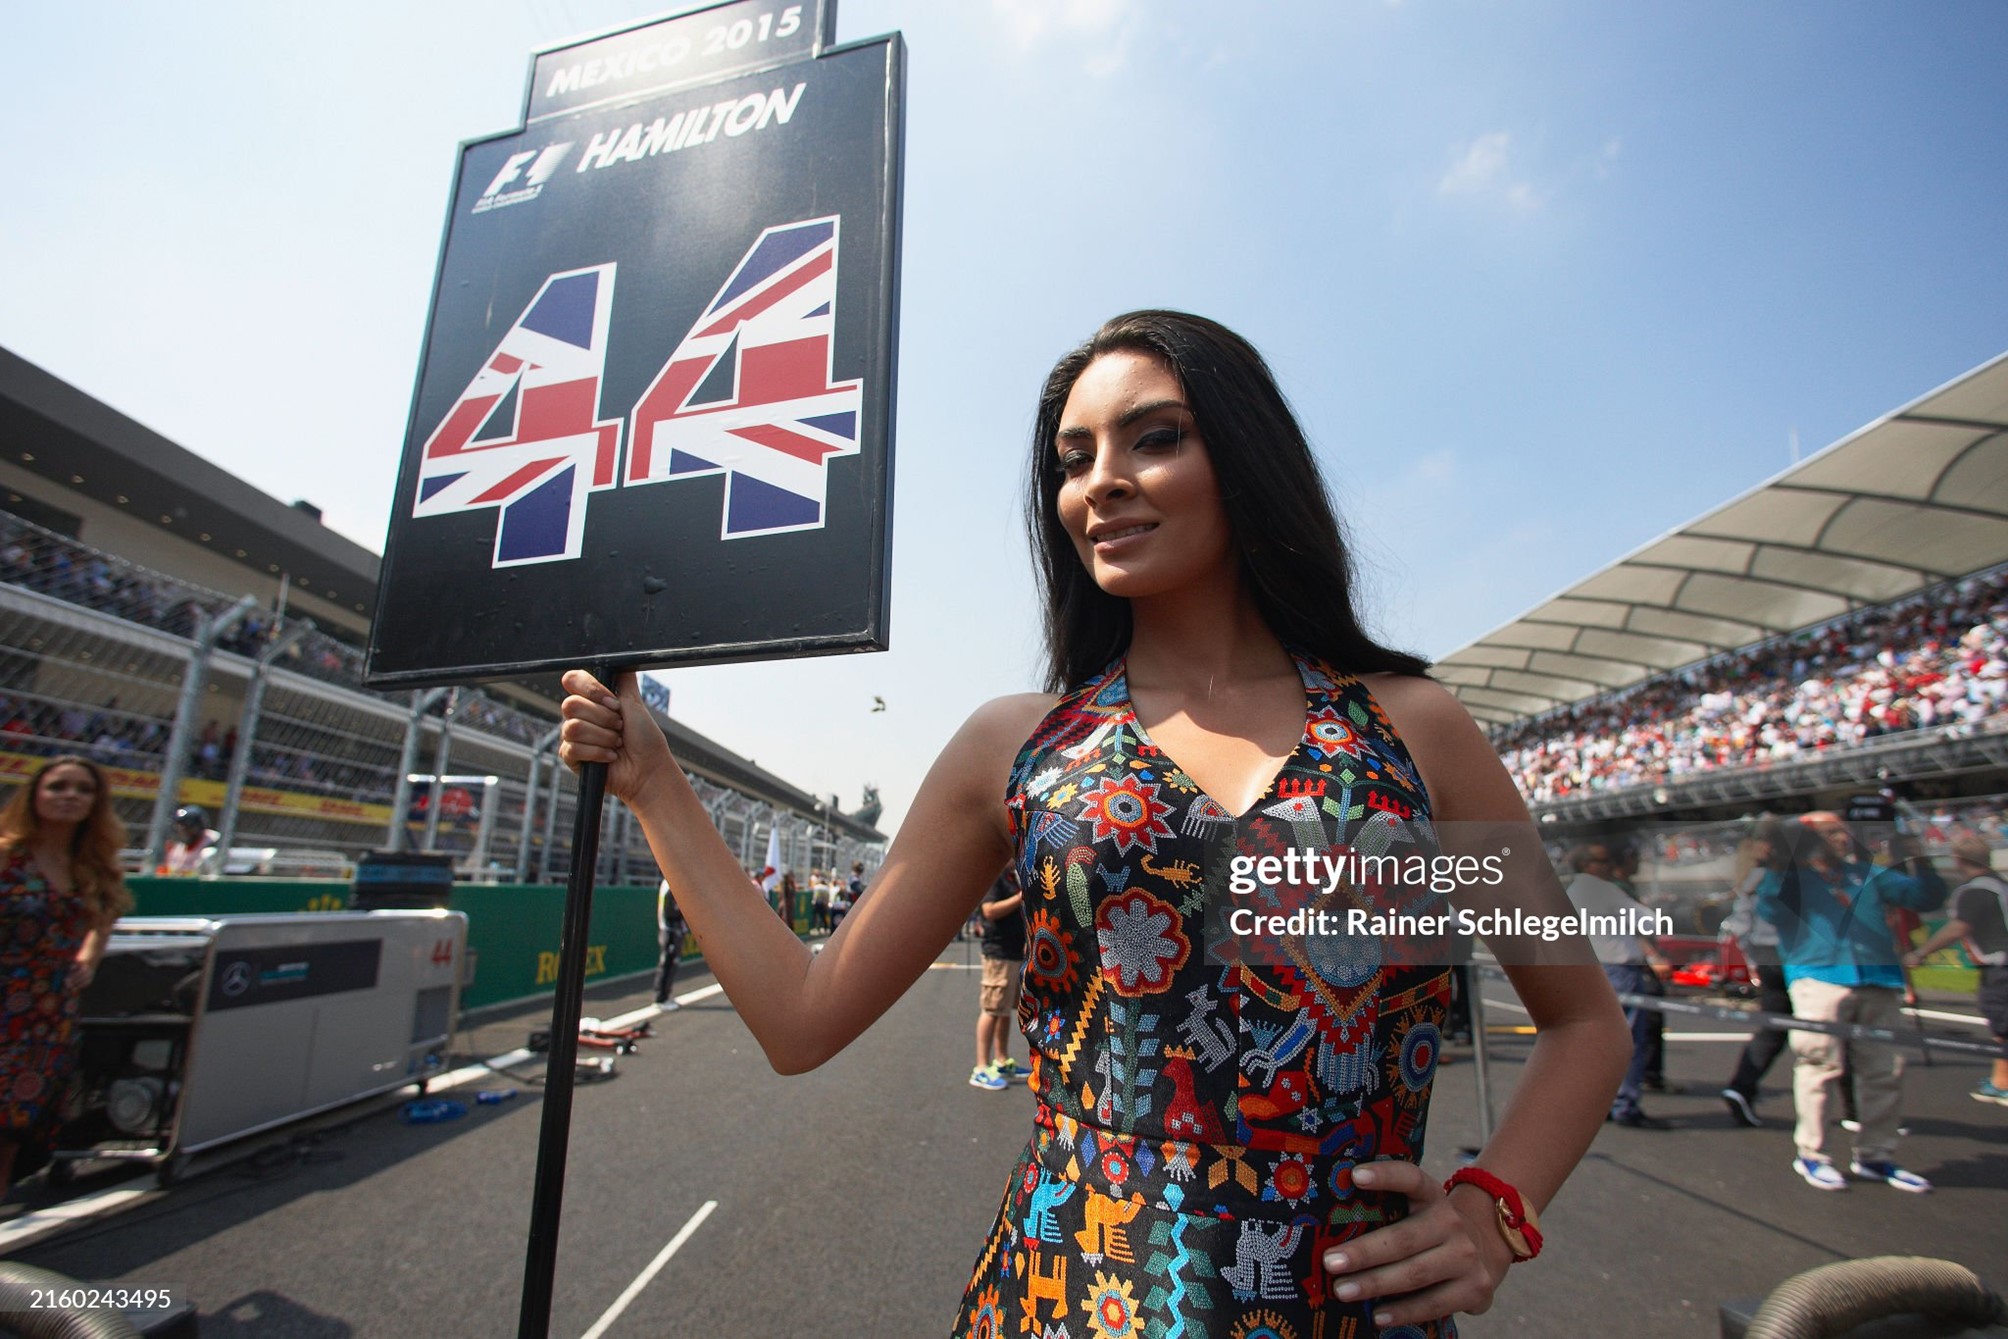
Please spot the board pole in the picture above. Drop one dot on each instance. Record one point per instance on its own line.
(540, 1261)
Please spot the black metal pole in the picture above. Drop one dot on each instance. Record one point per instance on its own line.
(540, 1261)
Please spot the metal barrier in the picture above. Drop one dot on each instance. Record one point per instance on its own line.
(1756, 1018)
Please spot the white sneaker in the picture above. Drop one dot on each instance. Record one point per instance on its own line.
(1820, 1175)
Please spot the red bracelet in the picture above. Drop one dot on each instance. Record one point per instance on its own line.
(1517, 1222)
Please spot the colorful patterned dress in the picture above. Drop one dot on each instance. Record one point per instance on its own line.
(1203, 1097)
(41, 930)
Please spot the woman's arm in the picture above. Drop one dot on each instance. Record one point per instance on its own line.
(1449, 1255)
(804, 1007)
(90, 953)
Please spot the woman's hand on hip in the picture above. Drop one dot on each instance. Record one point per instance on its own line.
(1447, 1256)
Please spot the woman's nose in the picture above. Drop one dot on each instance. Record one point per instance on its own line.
(1107, 478)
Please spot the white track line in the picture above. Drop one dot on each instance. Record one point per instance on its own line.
(469, 1073)
(32, 1226)
(641, 1281)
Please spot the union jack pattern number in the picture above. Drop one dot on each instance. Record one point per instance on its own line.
(524, 436)
(748, 393)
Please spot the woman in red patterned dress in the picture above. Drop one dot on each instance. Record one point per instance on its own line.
(1229, 1128)
(60, 890)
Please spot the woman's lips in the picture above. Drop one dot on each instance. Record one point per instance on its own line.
(1114, 539)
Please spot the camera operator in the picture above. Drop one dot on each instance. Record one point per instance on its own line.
(1830, 900)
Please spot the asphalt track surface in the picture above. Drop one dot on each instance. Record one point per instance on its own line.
(852, 1201)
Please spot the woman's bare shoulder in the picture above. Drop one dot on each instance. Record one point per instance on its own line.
(1419, 706)
(1459, 766)
(1006, 722)
(973, 770)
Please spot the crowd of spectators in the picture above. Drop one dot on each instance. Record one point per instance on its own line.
(41, 560)
(113, 737)
(1938, 659)
(55, 565)
(116, 738)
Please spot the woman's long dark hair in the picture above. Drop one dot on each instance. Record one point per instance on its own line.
(1277, 507)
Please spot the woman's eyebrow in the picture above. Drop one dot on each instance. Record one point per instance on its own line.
(1130, 416)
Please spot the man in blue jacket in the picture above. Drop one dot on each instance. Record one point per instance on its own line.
(1830, 902)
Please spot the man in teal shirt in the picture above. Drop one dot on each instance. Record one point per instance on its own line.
(1830, 902)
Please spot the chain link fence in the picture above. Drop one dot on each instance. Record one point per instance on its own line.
(260, 720)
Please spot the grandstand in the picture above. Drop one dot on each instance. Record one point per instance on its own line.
(1843, 625)
(170, 621)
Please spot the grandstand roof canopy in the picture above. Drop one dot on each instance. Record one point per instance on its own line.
(80, 444)
(1916, 498)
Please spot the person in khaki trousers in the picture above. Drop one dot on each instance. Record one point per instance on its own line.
(1829, 900)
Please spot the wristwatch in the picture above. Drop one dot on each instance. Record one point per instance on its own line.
(1517, 1222)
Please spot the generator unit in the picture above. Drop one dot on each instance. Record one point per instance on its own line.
(200, 1030)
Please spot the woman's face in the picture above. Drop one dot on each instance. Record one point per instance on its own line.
(1138, 494)
(65, 794)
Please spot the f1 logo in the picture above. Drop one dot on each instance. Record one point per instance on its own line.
(546, 163)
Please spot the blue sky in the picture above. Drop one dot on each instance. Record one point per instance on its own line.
(1544, 279)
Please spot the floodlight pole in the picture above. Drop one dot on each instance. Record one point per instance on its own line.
(540, 1261)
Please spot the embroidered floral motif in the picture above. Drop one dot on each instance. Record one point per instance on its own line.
(1418, 1055)
(984, 1320)
(1111, 1308)
(1290, 1181)
(1141, 943)
(1331, 734)
(1049, 955)
(1127, 809)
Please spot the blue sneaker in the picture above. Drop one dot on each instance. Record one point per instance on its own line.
(1008, 1070)
(1892, 1174)
(987, 1079)
(1987, 1092)
(1819, 1174)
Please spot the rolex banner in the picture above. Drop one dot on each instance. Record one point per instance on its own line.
(653, 421)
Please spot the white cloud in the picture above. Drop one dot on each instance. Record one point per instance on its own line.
(1484, 169)
(1483, 162)
(1607, 156)
(1029, 21)
(1104, 25)
(1438, 467)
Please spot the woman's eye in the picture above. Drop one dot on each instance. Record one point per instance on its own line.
(1073, 462)
(1159, 439)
